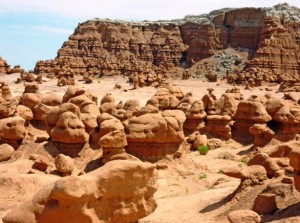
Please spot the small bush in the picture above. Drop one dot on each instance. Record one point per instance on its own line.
(202, 176)
(203, 150)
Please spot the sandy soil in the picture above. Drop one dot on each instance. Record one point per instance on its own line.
(186, 188)
(104, 85)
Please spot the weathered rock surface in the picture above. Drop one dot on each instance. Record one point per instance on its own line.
(153, 136)
(144, 50)
(124, 188)
(244, 216)
(4, 67)
(249, 113)
(5, 152)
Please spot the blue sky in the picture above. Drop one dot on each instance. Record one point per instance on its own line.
(33, 30)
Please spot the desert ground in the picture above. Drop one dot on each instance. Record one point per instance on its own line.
(190, 188)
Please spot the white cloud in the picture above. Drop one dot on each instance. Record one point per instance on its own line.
(127, 9)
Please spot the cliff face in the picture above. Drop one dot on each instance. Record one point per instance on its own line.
(271, 36)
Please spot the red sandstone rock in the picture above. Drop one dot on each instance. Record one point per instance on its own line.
(16, 69)
(64, 164)
(4, 67)
(244, 216)
(262, 134)
(248, 113)
(125, 188)
(12, 128)
(153, 136)
(6, 152)
(69, 129)
(264, 160)
(24, 112)
(218, 126)
(194, 117)
(144, 51)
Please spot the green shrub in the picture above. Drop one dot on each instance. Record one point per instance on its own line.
(203, 150)
(202, 176)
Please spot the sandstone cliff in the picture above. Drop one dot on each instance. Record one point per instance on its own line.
(270, 36)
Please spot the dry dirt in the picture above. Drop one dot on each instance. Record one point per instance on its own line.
(189, 189)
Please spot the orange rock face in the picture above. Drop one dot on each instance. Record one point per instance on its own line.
(270, 36)
(110, 48)
(277, 57)
(124, 188)
(4, 67)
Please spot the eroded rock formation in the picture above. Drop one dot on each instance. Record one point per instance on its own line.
(124, 188)
(4, 67)
(146, 50)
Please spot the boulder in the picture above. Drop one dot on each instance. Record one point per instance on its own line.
(6, 152)
(125, 188)
(64, 164)
(267, 162)
(12, 128)
(243, 216)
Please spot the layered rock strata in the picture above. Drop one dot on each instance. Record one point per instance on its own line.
(153, 136)
(106, 47)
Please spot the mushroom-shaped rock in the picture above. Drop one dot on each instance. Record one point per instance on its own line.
(69, 129)
(113, 145)
(262, 133)
(31, 88)
(226, 105)
(108, 104)
(153, 136)
(109, 125)
(89, 116)
(6, 94)
(218, 126)
(175, 90)
(248, 113)
(131, 107)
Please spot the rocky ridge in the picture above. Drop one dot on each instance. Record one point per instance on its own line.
(99, 47)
